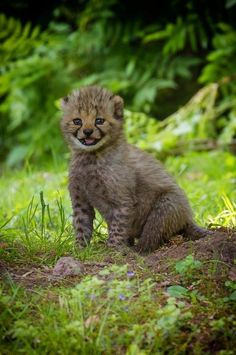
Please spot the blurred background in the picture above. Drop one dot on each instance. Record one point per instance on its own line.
(174, 62)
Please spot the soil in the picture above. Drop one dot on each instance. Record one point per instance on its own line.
(219, 249)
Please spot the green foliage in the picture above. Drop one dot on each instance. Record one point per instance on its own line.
(222, 58)
(91, 317)
(228, 214)
(117, 309)
(11, 308)
(177, 36)
(205, 122)
(221, 68)
(177, 291)
(232, 287)
(187, 265)
(230, 3)
(148, 64)
(30, 86)
(101, 313)
(114, 305)
(40, 222)
(17, 41)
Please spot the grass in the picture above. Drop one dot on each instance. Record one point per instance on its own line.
(120, 305)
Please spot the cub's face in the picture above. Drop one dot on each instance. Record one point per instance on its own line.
(92, 118)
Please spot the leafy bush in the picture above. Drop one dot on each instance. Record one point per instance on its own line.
(30, 84)
(143, 63)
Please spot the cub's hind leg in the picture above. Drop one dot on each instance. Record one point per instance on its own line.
(169, 215)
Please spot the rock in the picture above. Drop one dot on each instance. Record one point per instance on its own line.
(67, 266)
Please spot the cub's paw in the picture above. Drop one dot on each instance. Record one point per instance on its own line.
(82, 243)
(142, 248)
(131, 242)
(114, 242)
(118, 244)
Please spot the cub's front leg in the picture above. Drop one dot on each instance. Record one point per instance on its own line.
(83, 215)
(120, 226)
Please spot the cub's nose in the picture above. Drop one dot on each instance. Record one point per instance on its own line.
(88, 132)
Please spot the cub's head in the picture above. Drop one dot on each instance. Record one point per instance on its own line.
(92, 118)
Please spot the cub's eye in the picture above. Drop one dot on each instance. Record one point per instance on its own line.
(99, 120)
(77, 121)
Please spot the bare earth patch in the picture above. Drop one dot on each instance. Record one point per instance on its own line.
(30, 276)
(220, 248)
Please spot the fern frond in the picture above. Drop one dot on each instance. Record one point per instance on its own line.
(16, 40)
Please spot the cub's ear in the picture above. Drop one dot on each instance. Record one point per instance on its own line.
(118, 107)
(63, 102)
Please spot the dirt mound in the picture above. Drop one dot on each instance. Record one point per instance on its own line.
(219, 247)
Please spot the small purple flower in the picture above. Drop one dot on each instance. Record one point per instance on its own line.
(130, 273)
(92, 297)
(121, 297)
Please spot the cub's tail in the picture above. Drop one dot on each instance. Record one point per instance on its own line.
(194, 232)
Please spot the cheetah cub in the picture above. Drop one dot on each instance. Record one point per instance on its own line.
(131, 190)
